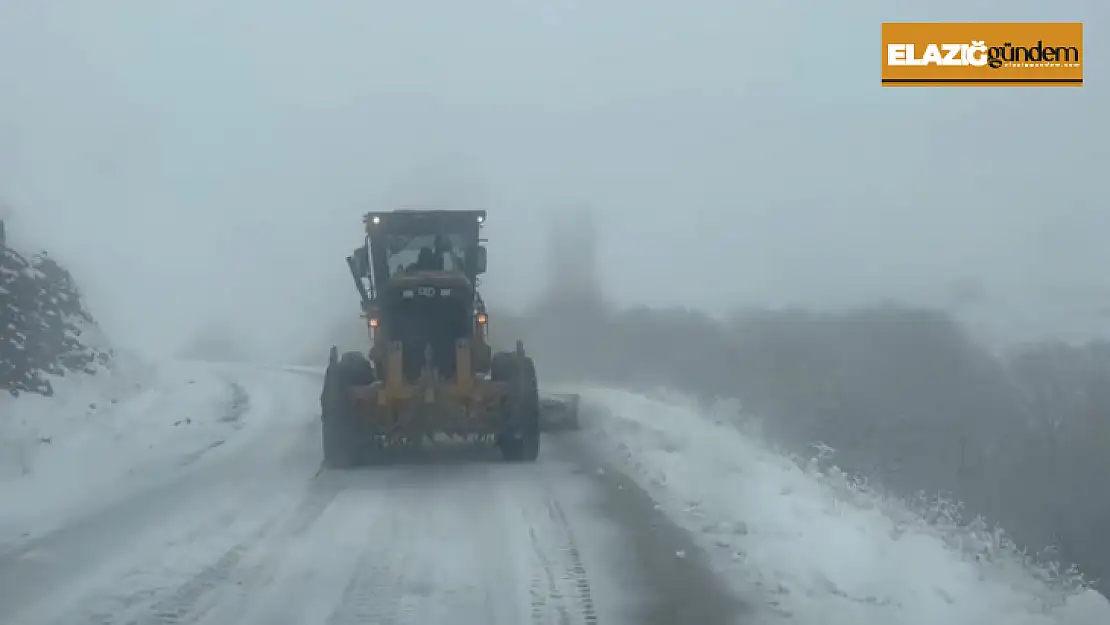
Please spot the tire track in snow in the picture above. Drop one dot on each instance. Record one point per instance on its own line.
(481, 546)
(376, 588)
(157, 603)
(577, 571)
(192, 601)
(560, 586)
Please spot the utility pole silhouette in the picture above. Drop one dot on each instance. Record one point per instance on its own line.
(573, 276)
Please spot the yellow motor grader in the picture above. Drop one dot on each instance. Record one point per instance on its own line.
(430, 371)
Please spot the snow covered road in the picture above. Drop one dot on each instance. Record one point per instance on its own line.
(251, 531)
(196, 498)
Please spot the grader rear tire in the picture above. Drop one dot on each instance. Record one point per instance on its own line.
(520, 437)
(340, 417)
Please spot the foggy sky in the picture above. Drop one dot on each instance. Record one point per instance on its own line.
(209, 161)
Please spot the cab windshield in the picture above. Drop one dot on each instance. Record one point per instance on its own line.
(426, 252)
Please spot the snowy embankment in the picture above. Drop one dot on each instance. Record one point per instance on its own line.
(811, 546)
(100, 437)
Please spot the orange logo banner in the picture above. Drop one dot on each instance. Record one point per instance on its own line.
(968, 54)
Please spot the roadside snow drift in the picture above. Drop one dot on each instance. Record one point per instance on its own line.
(101, 435)
(810, 546)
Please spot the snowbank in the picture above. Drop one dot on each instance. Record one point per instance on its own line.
(100, 435)
(811, 546)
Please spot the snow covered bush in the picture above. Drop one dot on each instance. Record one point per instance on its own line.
(43, 324)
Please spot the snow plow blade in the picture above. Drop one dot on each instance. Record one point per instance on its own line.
(559, 412)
